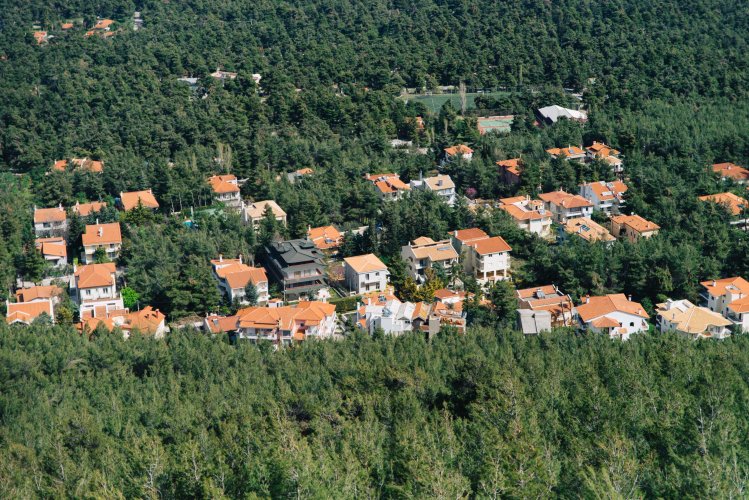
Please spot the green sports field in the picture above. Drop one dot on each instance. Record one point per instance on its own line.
(435, 102)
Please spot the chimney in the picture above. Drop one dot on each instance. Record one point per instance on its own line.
(240, 258)
(587, 299)
(220, 257)
(714, 283)
(629, 297)
(97, 221)
(100, 232)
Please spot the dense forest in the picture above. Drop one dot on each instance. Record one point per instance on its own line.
(489, 415)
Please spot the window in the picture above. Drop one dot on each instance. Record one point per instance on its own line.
(88, 292)
(631, 323)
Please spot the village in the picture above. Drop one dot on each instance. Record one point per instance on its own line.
(302, 289)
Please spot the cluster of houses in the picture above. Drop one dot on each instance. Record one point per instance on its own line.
(101, 28)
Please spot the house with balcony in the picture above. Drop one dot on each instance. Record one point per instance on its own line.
(633, 228)
(297, 266)
(365, 274)
(233, 277)
(485, 258)
(94, 288)
(600, 151)
(325, 238)
(692, 321)
(542, 308)
(225, 189)
(441, 185)
(389, 187)
(589, 230)
(565, 206)
(54, 250)
(529, 215)
(50, 222)
(424, 253)
(729, 297)
(569, 153)
(614, 315)
(254, 213)
(285, 325)
(607, 197)
(510, 170)
(134, 199)
(107, 237)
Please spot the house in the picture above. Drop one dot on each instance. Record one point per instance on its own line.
(50, 222)
(54, 250)
(365, 273)
(600, 151)
(254, 213)
(234, 275)
(297, 266)
(325, 238)
(460, 151)
(614, 315)
(729, 297)
(285, 325)
(543, 308)
(552, 114)
(607, 197)
(148, 321)
(485, 258)
(529, 215)
(565, 206)
(108, 237)
(734, 204)
(384, 311)
(690, 320)
(86, 209)
(441, 185)
(225, 190)
(510, 170)
(568, 153)
(731, 171)
(39, 293)
(588, 229)
(389, 186)
(86, 164)
(41, 37)
(103, 24)
(26, 312)
(633, 227)
(221, 324)
(66, 26)
(298, 174)
(424, 253)
(133, 199)
(94, 287)
(223, 75)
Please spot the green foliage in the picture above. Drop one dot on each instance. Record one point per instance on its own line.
(130, 297)
(250, 294)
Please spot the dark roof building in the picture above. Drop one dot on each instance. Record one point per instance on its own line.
(296, 265)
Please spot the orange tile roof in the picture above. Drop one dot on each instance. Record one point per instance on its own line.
(365, 263)
(103, 24)
(568, 151)
(37, 292)
(56, 214)
(597, 307)
(718, 288)
(468, 235)
(588, 229)
(60, 165)
(221, 184)
(26, 312)
(221, 324)
(147, 320)
(256, 210)
(740, 306)
(66, 26)
(304, 171)
(601, 150)
(605, 322)
(95, 275)
(636, 222)
(459, 149)
(237, 274)
(388, 183)
(731, 171)
(491, 245)
(565, 200)
(523, 213)
(606, 191)
(86, 209)
(102, 234)
(286, 317)
(325, 237)
(130, 200)
(735, 204)
(512, 165)
(434, 250)
(52, 246)
(527, 293)
(88, 164)
(40, 36)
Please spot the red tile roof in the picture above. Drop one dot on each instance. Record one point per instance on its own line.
(95, 275)
(56, 214)
(145, 198)
(731, 171)
(102, 234)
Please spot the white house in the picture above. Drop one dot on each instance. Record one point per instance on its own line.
(459, 151)
(50, 222)
(54, 250)
(285, 325)
(389, 186)
(614, 315)
(253, 213)
(441, 185)
(565, 206)
(365, 273)
(105, 236)
(693, 321)
(225, 190)
(234, 275)
(605, 196)
(729, 297)
(94, 287)
(424, 253)
(529, 215)
(486, 258)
